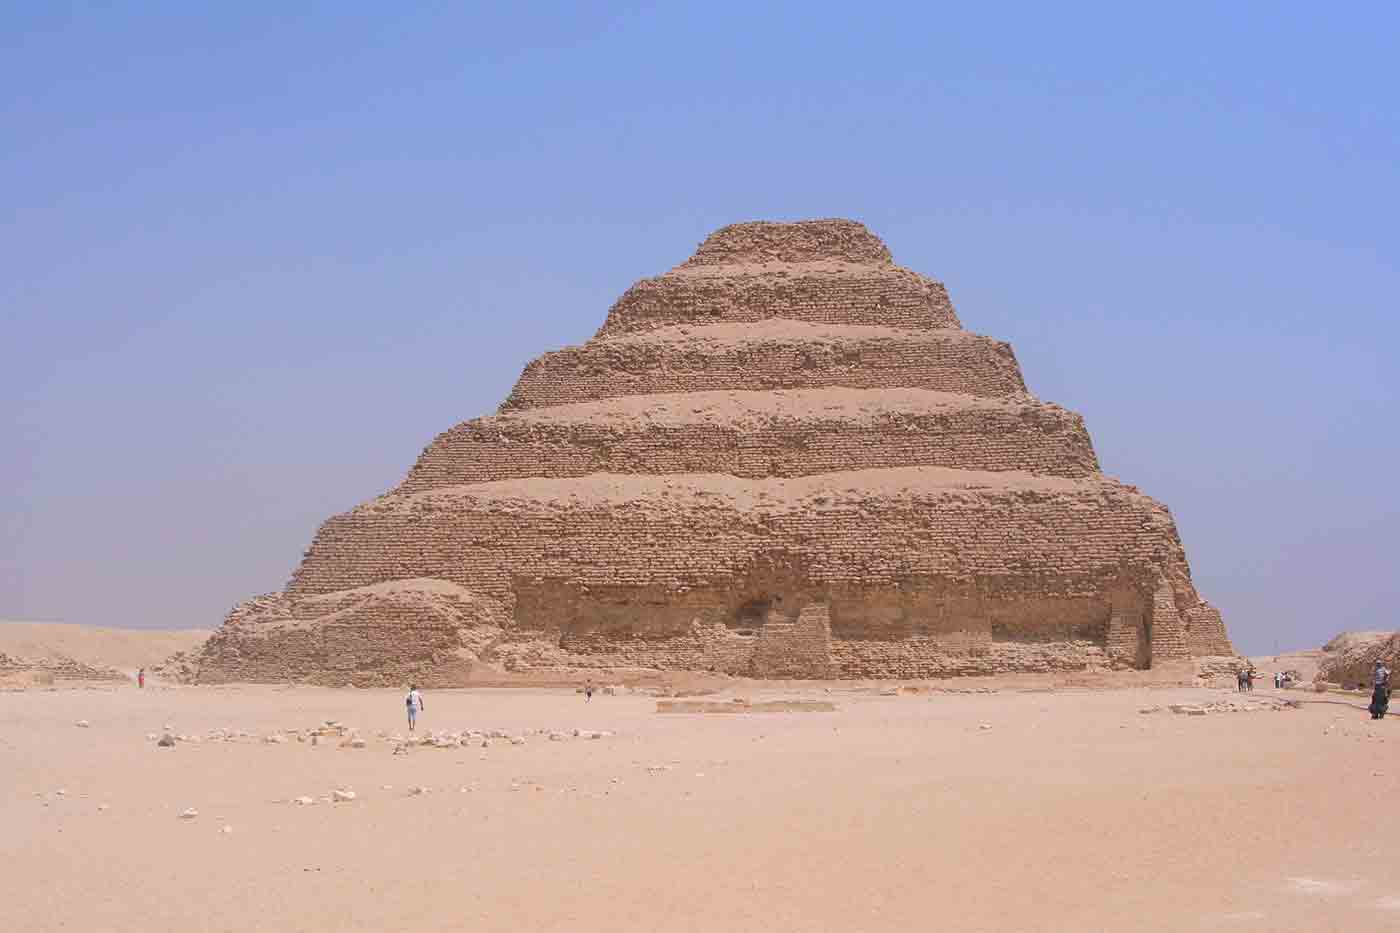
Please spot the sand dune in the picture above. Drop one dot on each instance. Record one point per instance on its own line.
(122, 648)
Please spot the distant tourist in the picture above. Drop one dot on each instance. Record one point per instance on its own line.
(588, 690)
(1278, 680)
(1380, 691)
(1249, 678)
(1239, 680)
(414, 700)
(141, 678)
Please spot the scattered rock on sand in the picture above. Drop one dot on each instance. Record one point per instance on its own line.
(304, 801)
(82, 723)
(189, 813)
(166, 741)
(343, 796)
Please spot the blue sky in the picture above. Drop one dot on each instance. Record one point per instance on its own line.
(252, 260)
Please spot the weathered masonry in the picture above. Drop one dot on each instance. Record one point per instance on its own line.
(783, 458)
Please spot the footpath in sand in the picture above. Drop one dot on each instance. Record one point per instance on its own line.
(1010, 810)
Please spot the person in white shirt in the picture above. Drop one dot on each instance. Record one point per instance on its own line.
(414, 701)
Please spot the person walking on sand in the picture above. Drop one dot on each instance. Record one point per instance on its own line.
(414, 701)
(1239, 681)
(141, 678)
(588, 690)
(1380, 691)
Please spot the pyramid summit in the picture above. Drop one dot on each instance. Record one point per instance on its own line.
(785, 457)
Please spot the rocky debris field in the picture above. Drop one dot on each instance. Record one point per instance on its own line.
(1263, 704)
(339, 735)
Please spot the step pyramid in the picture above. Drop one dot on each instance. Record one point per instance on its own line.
(783, 458)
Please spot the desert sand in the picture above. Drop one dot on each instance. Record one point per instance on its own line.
(121, 648)
(1033, 807)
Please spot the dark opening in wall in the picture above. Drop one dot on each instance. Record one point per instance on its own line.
(748, 618)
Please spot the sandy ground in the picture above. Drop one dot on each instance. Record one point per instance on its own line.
(1016, 810)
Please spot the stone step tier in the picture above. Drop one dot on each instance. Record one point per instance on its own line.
(816, 293)
(899, 531)
(767, 356)
(759, 434)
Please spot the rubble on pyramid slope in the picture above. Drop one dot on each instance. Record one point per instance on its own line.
(1350, 658)
(384, 633)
